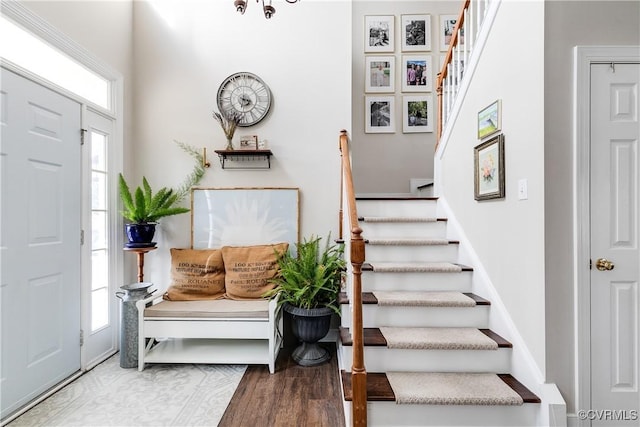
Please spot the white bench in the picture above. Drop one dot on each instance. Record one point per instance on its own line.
(209, 331)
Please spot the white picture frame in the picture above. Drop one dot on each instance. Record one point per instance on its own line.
(416, 33)
(417, 114)
(379, 114)
(420, 69)
(379, 33)
(447, 26)
(380, 74)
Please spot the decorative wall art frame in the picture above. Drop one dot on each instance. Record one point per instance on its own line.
(490, 119)
(417, 73)
(379, 114)
(380, 74)
(379, 33)
(455, 63)
(248, 142)
(417, 114)
(416, 33)
(244, 216)
(447, 27)
(489, 169)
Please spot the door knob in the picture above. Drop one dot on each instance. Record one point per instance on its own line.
(603, 264)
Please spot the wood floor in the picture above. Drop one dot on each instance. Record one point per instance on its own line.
(292, 396)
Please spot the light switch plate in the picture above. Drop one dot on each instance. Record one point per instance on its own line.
(522, 189)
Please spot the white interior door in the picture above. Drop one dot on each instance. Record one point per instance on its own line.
(615, 303)
(40, 239)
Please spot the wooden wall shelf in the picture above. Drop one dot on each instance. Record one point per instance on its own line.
(245, 159)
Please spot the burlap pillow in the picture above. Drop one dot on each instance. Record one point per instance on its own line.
(249, 269)
(196, 274)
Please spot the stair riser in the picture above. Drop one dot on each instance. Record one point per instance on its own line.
(382, 359)
(405, 208)
(372, 281)
(417, 230)
(374, 316)
(433, 253)
(391, 414)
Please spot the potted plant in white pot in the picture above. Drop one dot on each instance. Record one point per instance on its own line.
(308, 286)
(143, 209)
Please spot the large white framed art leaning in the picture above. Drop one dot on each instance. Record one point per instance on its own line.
(244, 216)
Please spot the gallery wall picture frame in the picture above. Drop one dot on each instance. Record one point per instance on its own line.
(447, 26)
(417, 73)
(490, 119)
(380, 74)
(489, 169)
(417, 114)
(248, 142)
(416, 33)
(455, 65)
(379, 114)
(379, 33)
(244, 217)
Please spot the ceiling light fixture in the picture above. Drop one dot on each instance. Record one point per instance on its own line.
(269, 11)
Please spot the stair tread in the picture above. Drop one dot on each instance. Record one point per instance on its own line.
(368, 267)
(400, 219)
(395, 196)
(401, 241)
(379, 388)
(373, 337)
(370, 298)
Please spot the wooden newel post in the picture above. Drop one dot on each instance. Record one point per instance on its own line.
(358, 371)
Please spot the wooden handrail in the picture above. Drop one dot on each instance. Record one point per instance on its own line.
(357, 257)
(447, 60)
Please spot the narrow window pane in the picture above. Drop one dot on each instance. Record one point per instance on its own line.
(98, 230)
(99, 309)
(99, 270)
(98, 190)
(98, 151)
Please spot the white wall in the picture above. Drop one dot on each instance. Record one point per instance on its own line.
(386, 162)
(569, 24)
(507, 234)
(184, 50)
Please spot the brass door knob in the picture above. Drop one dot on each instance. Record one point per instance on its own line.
(603, 264)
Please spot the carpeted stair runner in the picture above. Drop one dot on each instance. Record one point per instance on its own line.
(407, 242)
(396, 219)
(437, 338)
(423, 299)
(437, 388)
(415, 267)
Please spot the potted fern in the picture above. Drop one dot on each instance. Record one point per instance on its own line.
(308, 286)
(143, 209)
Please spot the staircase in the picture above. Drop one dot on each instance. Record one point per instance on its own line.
(429, 354)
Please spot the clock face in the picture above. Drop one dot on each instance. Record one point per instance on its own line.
(244, 94)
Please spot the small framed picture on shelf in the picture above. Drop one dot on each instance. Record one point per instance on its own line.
(489, 169)
(417, 73)
(490, 119)
(379, 33)
(379, 114)
(380, 75)
(417, 114)
(248, 142)
(447, 27)
(416, 33)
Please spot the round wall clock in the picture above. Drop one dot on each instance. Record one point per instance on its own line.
(246, 95)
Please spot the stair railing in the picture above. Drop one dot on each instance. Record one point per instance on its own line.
(463, 40)
(356, 257)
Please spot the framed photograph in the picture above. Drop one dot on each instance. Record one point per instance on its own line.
(416, 33)
(417, 114)
(417, 73)
(379, 114)
(490, 120)
(447, 26)
(248, 142)
(454, 63)
(244, 216)
(380, 75)
(379, 33)
(489, 169)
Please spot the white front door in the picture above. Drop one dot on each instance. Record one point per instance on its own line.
(40, 247)
(615, 235)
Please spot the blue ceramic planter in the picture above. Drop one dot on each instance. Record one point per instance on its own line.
(140, 235)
